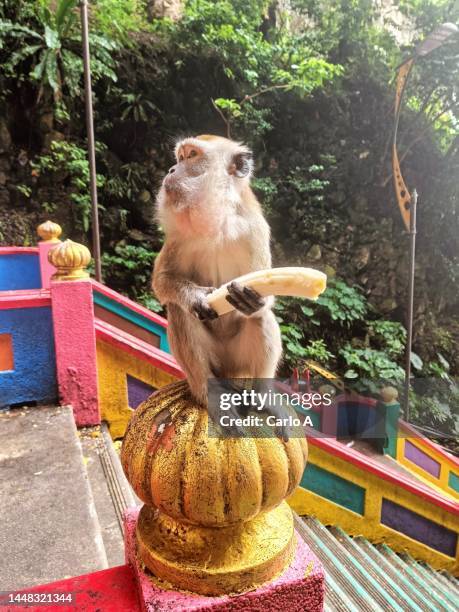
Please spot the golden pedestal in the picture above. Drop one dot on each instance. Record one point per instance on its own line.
(214, 521)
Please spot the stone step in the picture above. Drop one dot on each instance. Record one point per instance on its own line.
(111, 491)
(50, 528)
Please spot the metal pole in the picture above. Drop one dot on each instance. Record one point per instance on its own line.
(406, 202)
(402, 195)
(409, 339)
(90, 136)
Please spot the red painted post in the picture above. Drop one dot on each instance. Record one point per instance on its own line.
(74, 332)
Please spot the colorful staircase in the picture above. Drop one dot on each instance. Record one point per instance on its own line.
(102, 354)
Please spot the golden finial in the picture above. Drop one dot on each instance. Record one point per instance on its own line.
(70, 260)
(389, 395)
(49, 231)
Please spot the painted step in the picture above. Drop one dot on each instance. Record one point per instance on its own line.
(109, 590)
(418, 582)
(360, 571)
(445, 591)
(50, 529)
(337, 567)
(363, 576)
(396, 597)
(423, 601)
(446, 578)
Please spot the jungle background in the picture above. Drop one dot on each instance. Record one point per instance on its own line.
(309, 85)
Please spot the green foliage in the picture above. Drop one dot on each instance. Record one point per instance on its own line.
(136, 107)
(343, 303)
(119, 18)
(317, 351)
(50, 53)
(388, 334)
(370, 365)
(128, 182)
(25, 190)
(267, 191)
(67, 162)
(340, 331)
(254, 66)
(434, 402)
(135, 263)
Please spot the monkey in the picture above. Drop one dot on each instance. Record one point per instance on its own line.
(215, 231)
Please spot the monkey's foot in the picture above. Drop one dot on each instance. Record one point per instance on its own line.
(244, 299)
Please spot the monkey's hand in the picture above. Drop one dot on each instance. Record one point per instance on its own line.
(199, 306)
(245, 299)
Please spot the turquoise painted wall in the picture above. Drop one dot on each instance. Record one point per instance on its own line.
(123, 311)
(453, 481)
(334, 488)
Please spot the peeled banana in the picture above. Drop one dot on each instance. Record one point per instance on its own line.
(298, 282)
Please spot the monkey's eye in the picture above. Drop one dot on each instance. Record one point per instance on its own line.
(192, 153)
(181, 157)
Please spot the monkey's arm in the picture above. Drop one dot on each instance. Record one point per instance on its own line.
(172, 288)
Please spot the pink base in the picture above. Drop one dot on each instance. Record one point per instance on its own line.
(300, 588)
(46, 268)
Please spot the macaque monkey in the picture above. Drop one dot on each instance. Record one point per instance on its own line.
(215, 231)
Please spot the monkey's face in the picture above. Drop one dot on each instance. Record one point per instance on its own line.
(207, 168)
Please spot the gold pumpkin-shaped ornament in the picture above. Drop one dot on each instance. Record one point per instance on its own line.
(215, 520)
(70, 260)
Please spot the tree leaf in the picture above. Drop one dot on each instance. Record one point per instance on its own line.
(416, 361)
(51, 72)
(64, 13)
(350, 374)
(444, 362)
(52, 38)
(37, 72)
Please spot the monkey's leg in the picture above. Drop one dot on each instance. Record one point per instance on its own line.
(255, 350)
(193, 347)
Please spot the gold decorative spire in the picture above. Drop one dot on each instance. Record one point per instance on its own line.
(389, 395)
(70, 260)
(49, 231)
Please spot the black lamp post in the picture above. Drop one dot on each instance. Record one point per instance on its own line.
(408, 202)
(90, 137)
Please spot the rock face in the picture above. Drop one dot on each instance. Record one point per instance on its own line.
(172, 9)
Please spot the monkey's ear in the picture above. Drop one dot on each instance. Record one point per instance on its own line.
(241, 164)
